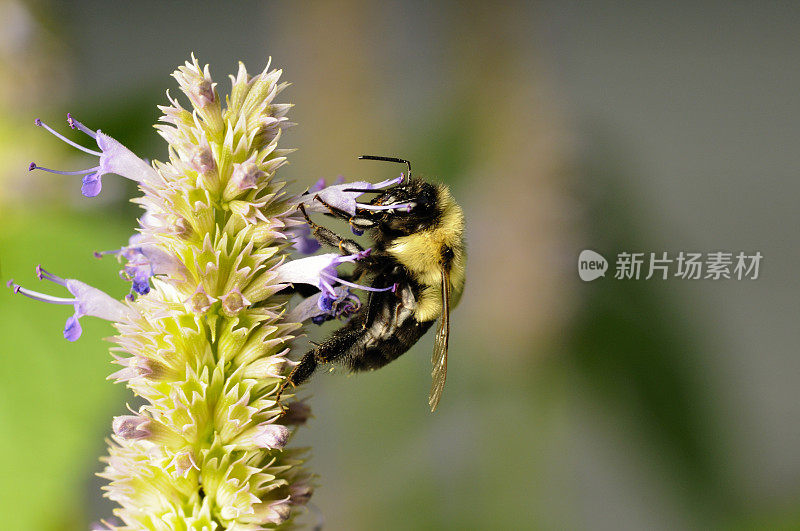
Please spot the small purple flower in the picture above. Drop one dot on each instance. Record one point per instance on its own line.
(114, 158)
(86, 301)
(320, 308)
(140, 280)
(304, 243)
(333, 301)
(320, 271)
(131, 427)
(144, 261)
(342, 196)
(341, 305)
(302, 240)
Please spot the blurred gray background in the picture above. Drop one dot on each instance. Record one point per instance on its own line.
(560, 126)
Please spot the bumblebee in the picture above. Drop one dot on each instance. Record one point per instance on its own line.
(417, 232)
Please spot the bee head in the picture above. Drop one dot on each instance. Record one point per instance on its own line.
(416, 205)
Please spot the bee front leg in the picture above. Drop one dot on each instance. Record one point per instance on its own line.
(326, 236)
(358, 223)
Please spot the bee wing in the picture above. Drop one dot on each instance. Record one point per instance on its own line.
(439, 358)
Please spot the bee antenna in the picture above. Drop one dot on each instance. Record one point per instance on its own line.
(388, 159)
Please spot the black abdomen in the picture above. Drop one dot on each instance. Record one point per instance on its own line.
(387, 346)
(383, 330)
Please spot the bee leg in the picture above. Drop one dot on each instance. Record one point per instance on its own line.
(328, 237)
(301, 372)
(332, 349)
(336, 212)
(357, 223)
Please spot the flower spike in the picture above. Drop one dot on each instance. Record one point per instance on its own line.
(204, 339)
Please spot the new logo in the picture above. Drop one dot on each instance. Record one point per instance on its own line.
(591, 265)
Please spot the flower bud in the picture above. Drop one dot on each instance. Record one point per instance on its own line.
(131, 427)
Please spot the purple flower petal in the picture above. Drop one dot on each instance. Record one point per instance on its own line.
(341, 305)
(303, 242)
(118, 159)
(307, 270)
(341, 196)
(72, 330)
(141, 281)
(317, 186)
(114, 158)
(91, 185)
(325, 302)
(145, 260)
(86, 300)
(97, 303)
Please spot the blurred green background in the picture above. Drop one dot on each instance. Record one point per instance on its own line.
(560, 126)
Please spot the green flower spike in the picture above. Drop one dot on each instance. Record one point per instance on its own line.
(204, 335)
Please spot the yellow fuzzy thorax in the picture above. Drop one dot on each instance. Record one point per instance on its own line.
(421, 254)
